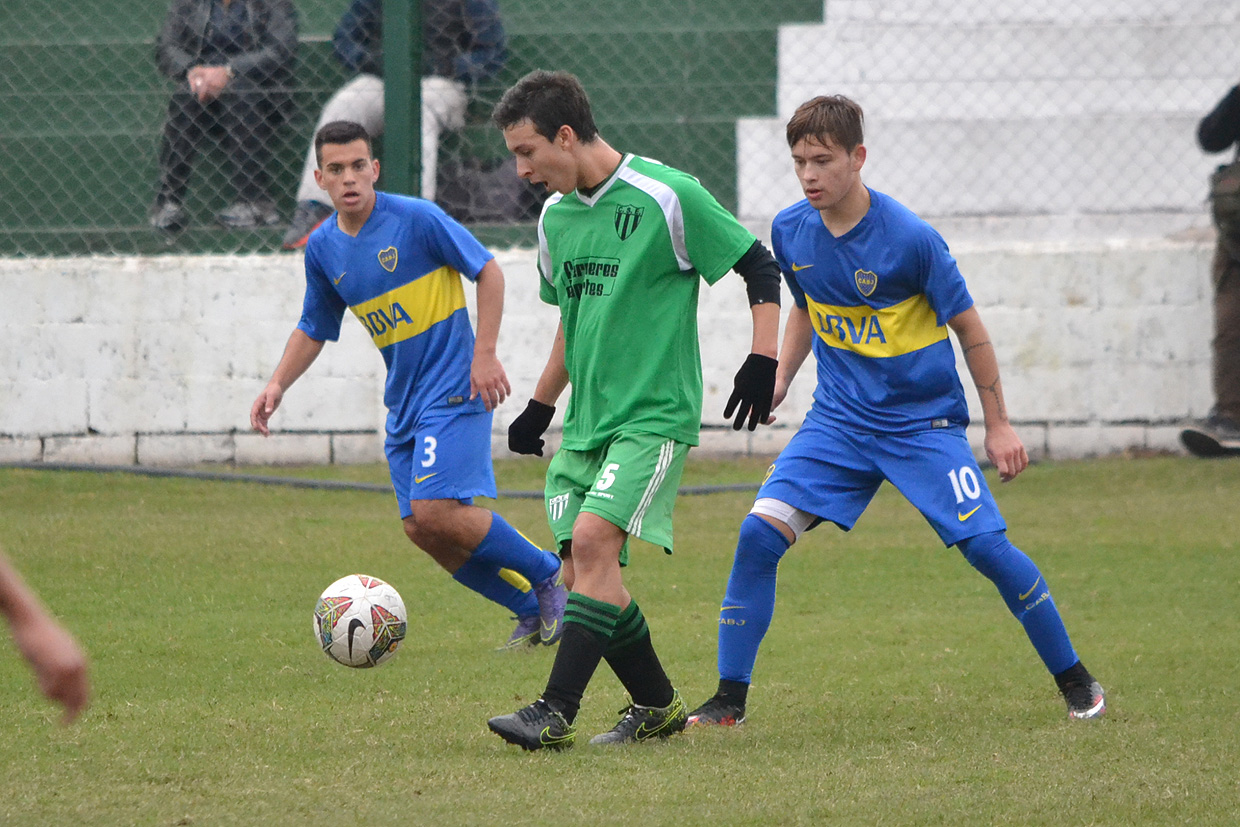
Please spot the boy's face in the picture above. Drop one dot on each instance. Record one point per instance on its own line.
(540, 161)
(826, 171)
(348, 174)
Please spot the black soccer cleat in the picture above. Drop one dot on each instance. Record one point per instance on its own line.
(718, 712)
(641, 723)
(536, 726)
(1084, 701)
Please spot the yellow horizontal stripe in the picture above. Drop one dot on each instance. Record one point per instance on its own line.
(412, 308)
(878, 332)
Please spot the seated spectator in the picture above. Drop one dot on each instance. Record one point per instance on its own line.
(232, 61)
(463, 43)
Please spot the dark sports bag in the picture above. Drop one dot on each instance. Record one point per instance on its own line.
(1225, 204)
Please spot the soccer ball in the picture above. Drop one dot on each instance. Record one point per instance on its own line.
(360, 621)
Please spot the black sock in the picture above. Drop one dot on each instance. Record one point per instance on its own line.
(630, 654)
(734, 692)
(588, 626)
(1074, 675)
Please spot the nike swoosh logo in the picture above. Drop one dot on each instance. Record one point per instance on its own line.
(354, 625)
(547, 739)
(727, 608)
(796, 268)
(1025, 596)
(337, 279)
(420, 480)
(549, 630)
(966, 515)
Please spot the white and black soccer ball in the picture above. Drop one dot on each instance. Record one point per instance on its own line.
(360, 621)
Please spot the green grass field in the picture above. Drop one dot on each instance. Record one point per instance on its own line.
(893, 688)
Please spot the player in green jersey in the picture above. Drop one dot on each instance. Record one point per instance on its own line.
(624, 243)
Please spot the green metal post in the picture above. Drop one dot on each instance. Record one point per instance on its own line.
(402, 96)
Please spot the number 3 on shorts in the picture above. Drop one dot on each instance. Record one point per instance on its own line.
(429, 445)
(608, 477)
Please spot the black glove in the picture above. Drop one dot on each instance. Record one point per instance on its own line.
(753, 389)
(525, 432)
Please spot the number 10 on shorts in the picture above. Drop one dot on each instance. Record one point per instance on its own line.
(965, 484)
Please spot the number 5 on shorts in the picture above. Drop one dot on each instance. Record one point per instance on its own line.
(608, 477)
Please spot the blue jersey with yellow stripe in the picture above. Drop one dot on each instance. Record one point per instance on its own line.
(401, 277)
(878, 297)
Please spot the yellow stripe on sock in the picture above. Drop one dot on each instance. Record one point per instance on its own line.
(515, 580)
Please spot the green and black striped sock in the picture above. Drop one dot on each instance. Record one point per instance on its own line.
(588, 626)
(630, 654)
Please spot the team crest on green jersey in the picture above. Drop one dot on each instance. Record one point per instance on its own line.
(628, 217)
(866, 282)
(387, 259)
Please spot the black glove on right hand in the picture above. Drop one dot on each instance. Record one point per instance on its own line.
(754, 391)
(525, 432)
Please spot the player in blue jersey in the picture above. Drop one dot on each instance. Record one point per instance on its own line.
(398, 264)
(876, 292)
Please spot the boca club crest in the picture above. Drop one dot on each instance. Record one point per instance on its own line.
(387, 259)
(627, 219)
(866, 282)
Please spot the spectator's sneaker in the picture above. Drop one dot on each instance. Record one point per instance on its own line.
(717, 712)
(1085, 700)
(524, 636)
(168, 216)
(246, 215)
(551, 596)
(641, 723)
(537, 726)
(306, 219)
(1216, 436)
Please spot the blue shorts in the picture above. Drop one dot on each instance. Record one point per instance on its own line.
(449, 458)
(833, 474)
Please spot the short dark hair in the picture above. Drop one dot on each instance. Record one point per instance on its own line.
(828, 116)
(548, 100)
(340, 132)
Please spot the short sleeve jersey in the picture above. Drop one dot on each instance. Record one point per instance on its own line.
(624, 265)
(401, 277)
(878, 298)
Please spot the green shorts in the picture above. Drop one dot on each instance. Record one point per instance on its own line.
(630, 482)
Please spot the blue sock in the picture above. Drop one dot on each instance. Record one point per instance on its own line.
(502, 586)
(1026, 594)
(749, 602)
(505, 547)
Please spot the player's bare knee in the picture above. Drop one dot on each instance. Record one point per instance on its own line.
(413, 530)
(433, 518)
(593, 553)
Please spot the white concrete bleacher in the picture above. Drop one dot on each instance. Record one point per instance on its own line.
(1009, 109)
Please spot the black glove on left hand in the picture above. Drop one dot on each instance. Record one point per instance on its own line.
(753, 389)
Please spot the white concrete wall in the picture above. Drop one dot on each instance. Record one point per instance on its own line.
(1104, 346)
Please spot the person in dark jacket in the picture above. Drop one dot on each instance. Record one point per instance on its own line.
(232, 61)
(463, 43)
(1219, 434)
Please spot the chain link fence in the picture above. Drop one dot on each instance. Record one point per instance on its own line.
(115, 140)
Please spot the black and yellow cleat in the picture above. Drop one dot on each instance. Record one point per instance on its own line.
(536, 726)
(641, 723)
